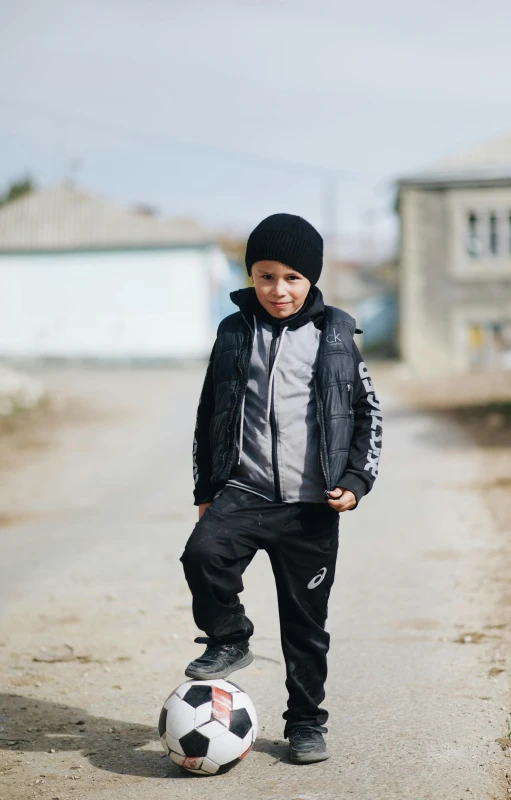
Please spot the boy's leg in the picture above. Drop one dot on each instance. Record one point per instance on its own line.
(303, 558)
(215, 557)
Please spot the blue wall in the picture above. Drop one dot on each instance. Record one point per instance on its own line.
(378, 318)
(221, 304)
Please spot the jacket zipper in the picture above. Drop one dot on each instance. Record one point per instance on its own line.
(242, 366)
(273, 420)
(323, 456)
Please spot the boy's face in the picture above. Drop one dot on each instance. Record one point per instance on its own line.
(280, 289)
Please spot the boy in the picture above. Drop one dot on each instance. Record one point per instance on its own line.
(287, 436)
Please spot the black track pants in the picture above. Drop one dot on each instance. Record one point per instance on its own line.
(301, 540)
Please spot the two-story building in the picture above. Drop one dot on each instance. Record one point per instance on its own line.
(455, 262)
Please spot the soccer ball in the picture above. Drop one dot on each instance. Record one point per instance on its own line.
(208, 726)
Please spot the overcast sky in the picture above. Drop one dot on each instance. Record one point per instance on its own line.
(373, 89)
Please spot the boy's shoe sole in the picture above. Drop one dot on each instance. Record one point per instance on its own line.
(199, 675)
(307, 758)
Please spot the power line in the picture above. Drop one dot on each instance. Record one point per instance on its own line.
(267, 162)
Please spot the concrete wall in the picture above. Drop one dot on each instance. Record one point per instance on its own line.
(136, 304)
(423, 327)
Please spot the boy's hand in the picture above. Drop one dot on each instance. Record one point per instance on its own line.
(342, 499)
(202, 508)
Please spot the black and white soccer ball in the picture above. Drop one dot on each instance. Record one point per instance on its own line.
(208, 727)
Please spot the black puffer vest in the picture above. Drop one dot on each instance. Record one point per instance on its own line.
(333, 384)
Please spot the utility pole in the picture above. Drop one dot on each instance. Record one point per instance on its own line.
(330, 214)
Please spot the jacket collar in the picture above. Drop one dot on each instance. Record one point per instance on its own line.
(313, 309)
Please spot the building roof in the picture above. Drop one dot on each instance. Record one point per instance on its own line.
(64, 218)
(486, 163)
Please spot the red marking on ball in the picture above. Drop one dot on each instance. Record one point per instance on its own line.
(191, 763)
(222, 706)
(245, 754)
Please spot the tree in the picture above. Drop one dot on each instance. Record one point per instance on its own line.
(17, 189)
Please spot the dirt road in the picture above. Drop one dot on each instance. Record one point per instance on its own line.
(96, 628)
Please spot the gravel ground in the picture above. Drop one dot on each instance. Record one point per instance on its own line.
(96, 628)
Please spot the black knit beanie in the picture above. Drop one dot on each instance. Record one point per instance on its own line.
(289, 239)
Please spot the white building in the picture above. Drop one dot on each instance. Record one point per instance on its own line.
(455, 262)
(80, 278)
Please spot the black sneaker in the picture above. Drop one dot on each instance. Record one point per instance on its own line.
(219, 660)
(306, 745)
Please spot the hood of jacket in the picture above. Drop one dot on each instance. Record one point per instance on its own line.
(313, 309)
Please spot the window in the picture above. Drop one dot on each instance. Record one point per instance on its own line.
(493, 231)
(489, 344)
(488, 233)
(474, 243)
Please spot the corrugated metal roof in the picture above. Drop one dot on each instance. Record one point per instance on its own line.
(488, 162)
(64, 218)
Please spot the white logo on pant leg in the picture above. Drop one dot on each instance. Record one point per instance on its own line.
(317, 579)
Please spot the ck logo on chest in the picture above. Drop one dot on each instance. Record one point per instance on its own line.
(334, 337)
